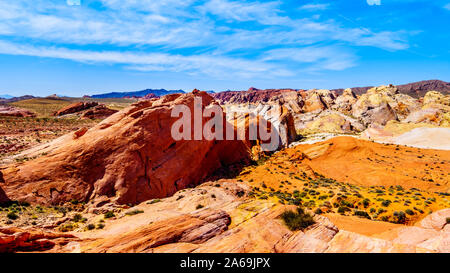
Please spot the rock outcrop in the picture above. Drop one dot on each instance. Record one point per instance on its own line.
(252, 95)
(98, 112)
(75, 107)
(345, 101)
(130, 157)
(382, 104)
(10, 111)
(275, 114)
(434, 97)
(16, 239)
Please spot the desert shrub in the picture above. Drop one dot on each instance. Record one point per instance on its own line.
(67, 227)
(447, 220)
(109, 214)
(90, 227)
(153, 201)
(62, 210)
(199, 206)
(77, 217)
(400, 217)
(386, 203)
(366, 203)
(134, 212)
(100, 226)
(297, 220)
(410, 212)
(361, 213)
(318, 211)
(12, 215)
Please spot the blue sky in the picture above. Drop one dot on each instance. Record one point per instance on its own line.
(49, 46)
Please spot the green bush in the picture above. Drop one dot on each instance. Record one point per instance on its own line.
(77, 218)
(109, 214)
(361, 213)
(366, 203)
(298, 220)
(90, 227)
(134, 212)
(12, 215)
(153, 201)
(410, 212)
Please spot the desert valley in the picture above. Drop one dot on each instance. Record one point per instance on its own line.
(355, 170)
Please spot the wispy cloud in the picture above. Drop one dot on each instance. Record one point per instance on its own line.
(447, 6)
(214, 37)
(315, 7)
(198, 64)
(322, 57)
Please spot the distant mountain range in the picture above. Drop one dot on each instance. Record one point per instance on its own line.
(415, 89)
(5, 96)
(142, 93)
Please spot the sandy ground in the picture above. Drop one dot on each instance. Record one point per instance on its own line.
(426, 138)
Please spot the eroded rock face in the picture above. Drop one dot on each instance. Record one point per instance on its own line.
(195, 228)
(9, 111)
(345, 101)
(384, 103)
(16, 239)
(130, 157)
(75, 107)
(332, 122)
(276, 115)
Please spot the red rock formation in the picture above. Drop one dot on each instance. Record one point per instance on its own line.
(9, 111)
(16, 239)
(75, 107)
(150, 96)
(415, 89)
(98, 112)
(130, 157)
(252, 95)
(195, 228)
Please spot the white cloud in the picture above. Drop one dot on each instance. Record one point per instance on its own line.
(315, 7)
(183, 35)
(208, 64)
(322, 57)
